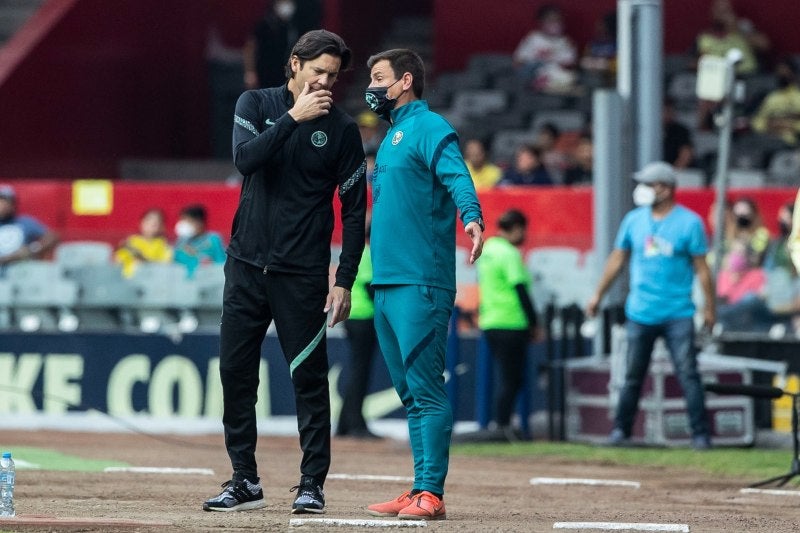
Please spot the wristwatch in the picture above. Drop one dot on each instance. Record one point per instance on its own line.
(479, 221)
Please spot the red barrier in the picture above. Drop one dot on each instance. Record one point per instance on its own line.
(559, 216)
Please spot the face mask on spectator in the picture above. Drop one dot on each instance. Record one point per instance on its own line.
(185, 229)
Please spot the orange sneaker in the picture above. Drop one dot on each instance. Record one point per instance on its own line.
(392, 507)
(425, 506)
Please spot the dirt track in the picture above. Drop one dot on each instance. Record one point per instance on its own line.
(482, 494)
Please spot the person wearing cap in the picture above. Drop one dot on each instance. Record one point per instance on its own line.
(666, 247)
(21, 236)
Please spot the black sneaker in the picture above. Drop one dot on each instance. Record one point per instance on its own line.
(310, 498)
(237, 496)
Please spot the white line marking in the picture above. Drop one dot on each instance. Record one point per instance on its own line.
(621, 526)
(370, 477)
(774, 492)
(355, 523)
(157, 470)
(581, 481)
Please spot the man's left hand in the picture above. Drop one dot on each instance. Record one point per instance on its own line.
(475, 233)
(338, 302)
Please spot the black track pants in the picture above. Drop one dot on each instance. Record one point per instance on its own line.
(251, 301)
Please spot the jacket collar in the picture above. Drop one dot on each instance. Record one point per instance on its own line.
(409, 110)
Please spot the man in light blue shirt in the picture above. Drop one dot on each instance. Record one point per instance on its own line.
(666, 246)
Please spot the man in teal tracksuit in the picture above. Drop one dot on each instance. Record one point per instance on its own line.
(419, 183)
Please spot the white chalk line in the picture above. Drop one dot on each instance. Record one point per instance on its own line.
(158, 470)
(774, 492)
(584, 481)
(622, 526)
(370, 477)
(355, 522)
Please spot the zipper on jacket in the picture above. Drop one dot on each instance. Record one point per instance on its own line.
(266, 267)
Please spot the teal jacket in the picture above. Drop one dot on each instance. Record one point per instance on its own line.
(419, 184)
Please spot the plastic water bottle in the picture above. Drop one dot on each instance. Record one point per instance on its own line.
(8, 476)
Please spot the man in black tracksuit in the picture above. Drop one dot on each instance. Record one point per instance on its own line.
(294, 149)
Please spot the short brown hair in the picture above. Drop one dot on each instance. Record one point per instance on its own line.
(403, 60)
(313, 44)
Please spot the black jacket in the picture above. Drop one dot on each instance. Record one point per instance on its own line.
(284, 221)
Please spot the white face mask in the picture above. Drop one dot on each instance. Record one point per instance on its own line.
(185, 229)
(284, 10)
(644, 195)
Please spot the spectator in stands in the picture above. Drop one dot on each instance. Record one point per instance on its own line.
(779, 112)
(665, 245)
(741, 287)
(748, 229)
(265, 52)
(485, 174)
(579, 169)
(507, 315)
(545, 57)
(148, 246)
(22, 237)
(677, 139)
(371, 130)
(548, 140)
(527, 169)
(363, 341)
(599, 59)
(778, 255)
(727, 31)
(196, 245)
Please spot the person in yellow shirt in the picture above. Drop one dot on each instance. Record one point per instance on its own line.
(149, 245)
(485, 174)
(779, 113)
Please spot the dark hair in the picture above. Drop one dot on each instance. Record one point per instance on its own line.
(403, 60)
(196, 212)
(550, 128)
(313, 44)
(546, 10)
(511, 219)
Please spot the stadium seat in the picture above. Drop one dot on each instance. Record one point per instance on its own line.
(81, 253)
(41, 294)
(505, 143)
(6, 303)
(555, 271)
(491, 64)
(164, 295)
(746, 179)
(682, 88)
(690, 178)
(784, 168)
(210, 281)
(105, 297)
(563, 119)
(472, 103)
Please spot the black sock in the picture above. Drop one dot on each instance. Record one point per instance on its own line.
(414, 492)
(437, 494)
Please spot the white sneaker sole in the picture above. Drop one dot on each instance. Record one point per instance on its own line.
(246, 506)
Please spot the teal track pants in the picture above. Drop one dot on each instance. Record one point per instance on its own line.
(411, 322)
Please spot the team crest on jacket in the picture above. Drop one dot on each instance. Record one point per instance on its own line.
(319, 139)
(397, 138)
